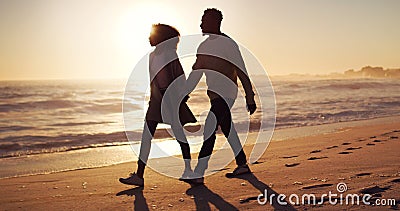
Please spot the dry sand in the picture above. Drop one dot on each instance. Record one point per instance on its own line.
(365, 158)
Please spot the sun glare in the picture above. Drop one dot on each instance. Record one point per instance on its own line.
(135, 25)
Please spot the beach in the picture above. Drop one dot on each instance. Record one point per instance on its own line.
(90, 92)
(362, 155)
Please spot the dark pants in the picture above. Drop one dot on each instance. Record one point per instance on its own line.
(148, 133)
(223, 118)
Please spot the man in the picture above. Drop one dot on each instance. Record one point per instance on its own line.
(219, 58)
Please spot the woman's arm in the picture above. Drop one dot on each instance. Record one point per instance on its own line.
(163, 78)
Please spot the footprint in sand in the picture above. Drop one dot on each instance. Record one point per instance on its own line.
(315, 151)
(331, 147)
(317, 186)
(376, 141)
(353, 148)
(346, 143)
(396, 180)
(370, 144)
(393, 137)
(253, 198)
(385, 134)
(316, 158)
(361, 140)
(291, 164)
(293, 156)
(372, 137)
(344, 153)
(388, 133)
(363, 174)
(374, 190)
(218, 170)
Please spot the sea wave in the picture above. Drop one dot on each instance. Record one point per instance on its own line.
(80, 123)
(43, 117)
(39, 105)
(15, 128)
(26, 145)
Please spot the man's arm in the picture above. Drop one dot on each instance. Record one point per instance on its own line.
(241, 71)
(245, 80)
(193, 80)
(248, 89)
(194, 76)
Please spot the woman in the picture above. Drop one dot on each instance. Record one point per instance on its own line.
(165, 69)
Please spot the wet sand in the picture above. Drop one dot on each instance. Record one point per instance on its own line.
(364, 157)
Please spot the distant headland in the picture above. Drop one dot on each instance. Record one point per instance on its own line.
(365, 72)
(373, 72)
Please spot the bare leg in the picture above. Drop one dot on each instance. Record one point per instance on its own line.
(185, 148)
(148, 132)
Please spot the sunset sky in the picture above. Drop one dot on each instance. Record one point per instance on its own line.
(84, 39)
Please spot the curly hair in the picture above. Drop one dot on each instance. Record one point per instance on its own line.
(163, 32)
(214, 14)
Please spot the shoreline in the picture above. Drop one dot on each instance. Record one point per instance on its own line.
(119, 137)
(364, 157)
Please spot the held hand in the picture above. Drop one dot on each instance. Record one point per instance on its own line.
(185, 99)
(251, 108)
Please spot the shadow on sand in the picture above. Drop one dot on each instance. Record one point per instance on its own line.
(263, 188)
(140, 201)
(203, 196)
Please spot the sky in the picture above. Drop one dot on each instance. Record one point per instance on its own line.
(94, 39)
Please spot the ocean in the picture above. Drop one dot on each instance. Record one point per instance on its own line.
(54, 116)
(48, 117)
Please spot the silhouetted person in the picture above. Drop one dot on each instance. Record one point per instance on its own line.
(219, 58)
(162, 75)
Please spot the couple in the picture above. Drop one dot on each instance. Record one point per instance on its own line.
(219, 58)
